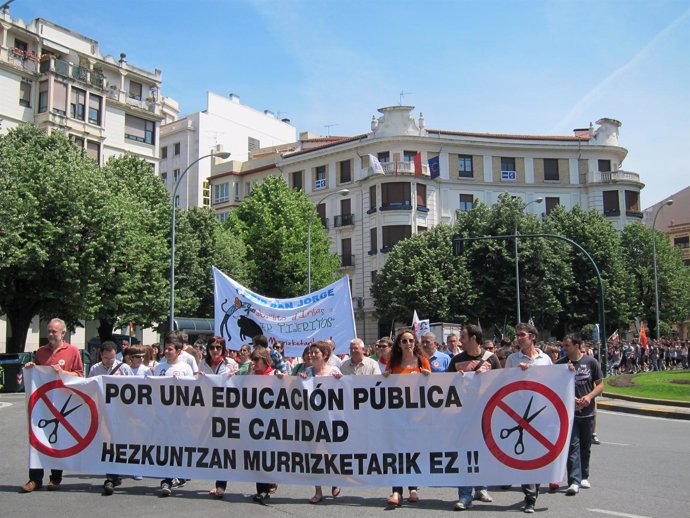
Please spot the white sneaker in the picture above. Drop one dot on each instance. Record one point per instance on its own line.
(584, 484)
(483, 496)
(463, 503)
(572, 490)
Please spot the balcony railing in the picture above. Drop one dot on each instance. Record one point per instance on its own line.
(343, 220)
(80, 73)
(20, 59)
(61, 68)
(614, 176)
(634, 214)
(347, 261)
(400, 168)
(399, 205)
(613, 213)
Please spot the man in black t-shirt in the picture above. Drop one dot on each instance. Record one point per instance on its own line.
(472, 359)
(588, 385)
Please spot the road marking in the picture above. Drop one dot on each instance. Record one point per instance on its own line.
(615, 443)
(610, 412)
(615, 513)
(3, 405)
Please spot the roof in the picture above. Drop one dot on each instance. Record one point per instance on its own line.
(571, 138)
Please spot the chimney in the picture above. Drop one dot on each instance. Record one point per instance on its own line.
(235, 98)
(123, 58)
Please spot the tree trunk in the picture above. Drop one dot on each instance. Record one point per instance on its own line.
(19, 320)
(105, 330)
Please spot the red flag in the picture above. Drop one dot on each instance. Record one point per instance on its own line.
(643, 336)
(131, 329)
(418, 164)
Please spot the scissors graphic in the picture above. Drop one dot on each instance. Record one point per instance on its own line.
(507, 432)
(52, 438)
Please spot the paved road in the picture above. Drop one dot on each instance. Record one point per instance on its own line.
(640, 470)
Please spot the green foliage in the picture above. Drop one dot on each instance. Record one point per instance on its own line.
(50, 231)
(203, 242)
(674, 276)
(134, 263)
(671, 385)
(665, 329)
(421, 274)
(587, 332)
(272, 223)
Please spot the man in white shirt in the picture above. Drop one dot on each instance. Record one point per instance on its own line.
(358, 364)
(109, 366)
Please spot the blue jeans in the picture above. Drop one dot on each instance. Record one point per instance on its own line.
(465, 492)
(580, 448)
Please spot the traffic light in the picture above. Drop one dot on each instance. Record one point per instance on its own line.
(458, 245)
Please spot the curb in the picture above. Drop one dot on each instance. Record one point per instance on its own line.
(647, 411)
(636, 399)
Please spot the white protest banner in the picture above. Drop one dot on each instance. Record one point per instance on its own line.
(241, 314)
(447, 429)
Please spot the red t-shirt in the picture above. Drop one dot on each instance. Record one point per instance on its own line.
(66, 356)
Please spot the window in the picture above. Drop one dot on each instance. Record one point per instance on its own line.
(466, 202)
(611, 204)
(508, 171)
(247, 188)
(421, 229)
(321, 211)
(421, 196)
(138, 129)
(222, 216)
(346, 259)
(682, 242)
(604, 165)
(345, 171)
(408, 156)
(77, 106)
(59, 98)
(632, 201)
(176, 175)
(176, 149)
(395, 195)
(164, 152)
(164, 178)
(79, 141)
(95, 109)
(221, 193)
(551, 172)
(296, 178)
(465, 166)
(93, 150)
(345, 217)
(25, 94)
(237, 191)
(373, 246)
(551, 203)
(373, 276)
(383, 156)
(43, 96)
(135, 90)
(394, 233)
(372, 199)
(320, 177)
(21, 45)
(252, 144)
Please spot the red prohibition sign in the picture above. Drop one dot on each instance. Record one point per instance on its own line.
(82, 442)
(553, 449)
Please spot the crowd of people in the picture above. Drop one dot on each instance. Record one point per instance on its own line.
(405, 354)
(631, 357)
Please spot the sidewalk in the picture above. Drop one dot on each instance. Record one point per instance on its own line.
(643, 406)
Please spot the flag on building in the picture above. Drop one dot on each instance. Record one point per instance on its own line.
(643, 336)
(375, 164)
(614, 336)
(434, 167)
(418, 164)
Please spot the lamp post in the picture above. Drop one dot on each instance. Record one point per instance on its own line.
(656, 275)
(517, 260)
(222, 155)
(342, 192)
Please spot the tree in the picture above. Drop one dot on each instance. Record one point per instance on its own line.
(594, 233)
(203, 242)
(272, 223)
(673, 275)
(134, 264)
(50, 229)
(422, 274)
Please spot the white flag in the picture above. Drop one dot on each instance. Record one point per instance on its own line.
(375, 164)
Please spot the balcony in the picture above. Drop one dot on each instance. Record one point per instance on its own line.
(20, 59)
(343, 220)
(634, 214)
(397, 205)
(347, 261)
(400, 168)
(612, 213)
(613, 177)
(80, 73)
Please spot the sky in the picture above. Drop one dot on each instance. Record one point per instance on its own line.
(540, 67)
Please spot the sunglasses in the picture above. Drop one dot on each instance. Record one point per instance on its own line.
(137, 356)
(217, 347)
(407, 341)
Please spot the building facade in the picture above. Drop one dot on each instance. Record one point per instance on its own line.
(58, 79)
(225, 125)
(367, 209)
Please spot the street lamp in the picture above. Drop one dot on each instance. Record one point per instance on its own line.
(517, 259)
(342, 192)
(223, 155)
(656, 276)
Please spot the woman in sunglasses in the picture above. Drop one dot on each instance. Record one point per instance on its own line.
(134, 356)
(216, 361)
(407, 357)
